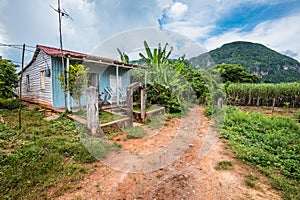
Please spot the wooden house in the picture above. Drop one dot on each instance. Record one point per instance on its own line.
(40, 82)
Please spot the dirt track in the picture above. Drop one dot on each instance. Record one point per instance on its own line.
(191, 176)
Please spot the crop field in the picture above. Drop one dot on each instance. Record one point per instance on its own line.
(270, 144)
(264, 94)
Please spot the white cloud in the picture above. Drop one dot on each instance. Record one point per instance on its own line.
(195, 19)
(82, 32)
(177, 10)
(188, 29)
(2, 40)
(163, 4)
(281, 35)
(2, 31)
(135, 39)
(34, 22)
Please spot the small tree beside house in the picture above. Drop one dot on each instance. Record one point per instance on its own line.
(76, 82)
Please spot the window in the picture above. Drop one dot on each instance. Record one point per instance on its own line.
(43, 80)
(27, 83)
(47, 73)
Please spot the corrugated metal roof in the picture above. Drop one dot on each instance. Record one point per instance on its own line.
(57, 52)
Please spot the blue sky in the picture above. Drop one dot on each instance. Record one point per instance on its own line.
(211, 23)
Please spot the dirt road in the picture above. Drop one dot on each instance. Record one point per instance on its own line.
(191, 174)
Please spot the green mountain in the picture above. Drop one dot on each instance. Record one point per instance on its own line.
(268, 64)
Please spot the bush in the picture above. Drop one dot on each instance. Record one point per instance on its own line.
(9, 103)
(297, 115)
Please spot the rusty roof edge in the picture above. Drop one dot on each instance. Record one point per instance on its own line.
(87, 57)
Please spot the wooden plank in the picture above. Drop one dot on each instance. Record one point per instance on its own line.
(34, 91)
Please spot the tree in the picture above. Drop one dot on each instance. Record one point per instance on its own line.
(77, 82)
(235, 73)
(8, 78)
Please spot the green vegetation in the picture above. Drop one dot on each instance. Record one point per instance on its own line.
(224, 165)
(124, 57)
(297, 116)
(256, 58)
(135, 132)
(156, 122)
(167, 84)
(76, 82)
(104, 117)
(9, 103)
(43, 155)
(8, 78)
(235, 73)
(282, 95)
(270, 144)
(149, 108)
(249, 180)
(172, 83)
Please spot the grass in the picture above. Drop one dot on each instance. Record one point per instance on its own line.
(156, 122)
(43, 155)
(137, 108)
(270, 144)
(224, 165)
(249, 180)
(135, 132)
(104, 117)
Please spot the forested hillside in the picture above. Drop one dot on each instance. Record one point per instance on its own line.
(270, 65)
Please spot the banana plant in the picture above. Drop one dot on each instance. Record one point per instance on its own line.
(124, 57)
(165, 76)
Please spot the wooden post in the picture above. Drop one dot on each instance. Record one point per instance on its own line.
(92, 111)
(21, 79)
(117, 85)
(273, 105)
(129, 102)
(220, 103)
(69, 104)
(143, 104)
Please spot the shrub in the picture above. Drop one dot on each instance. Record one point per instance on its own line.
(9, 103)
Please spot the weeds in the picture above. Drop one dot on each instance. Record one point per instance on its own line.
(43, 155)
(156, 122)
(135, 132)
(224, 165)
(249, 180)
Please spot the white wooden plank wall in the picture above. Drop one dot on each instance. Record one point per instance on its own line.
(35, 93)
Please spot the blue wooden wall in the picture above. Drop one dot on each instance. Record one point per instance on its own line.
(103, 71)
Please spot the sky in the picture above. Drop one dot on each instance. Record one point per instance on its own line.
(210, 23)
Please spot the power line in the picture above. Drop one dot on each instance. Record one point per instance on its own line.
(18, 45)
(15, 46)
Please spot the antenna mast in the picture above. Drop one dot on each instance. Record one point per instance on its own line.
(60, 15)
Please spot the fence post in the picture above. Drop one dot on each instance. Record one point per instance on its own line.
(92, 111)
(143, 104)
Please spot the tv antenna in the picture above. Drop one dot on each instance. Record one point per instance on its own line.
(62, 13)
